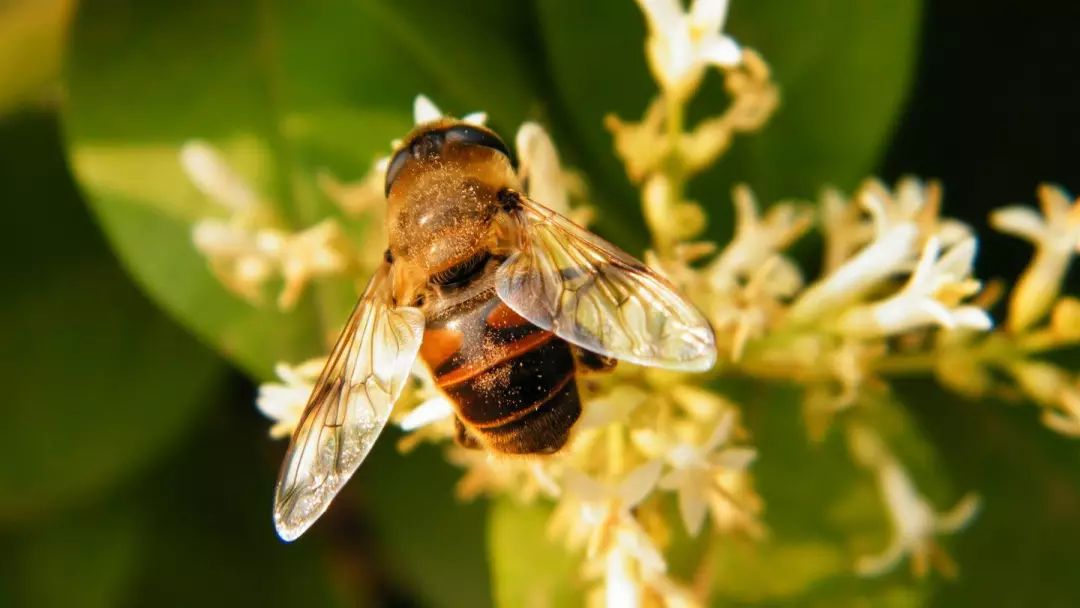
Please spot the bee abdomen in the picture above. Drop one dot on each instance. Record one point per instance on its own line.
(524, 404)
(515, 389)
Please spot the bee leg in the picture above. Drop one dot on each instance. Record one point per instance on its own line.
(589, 361)
(463, 437)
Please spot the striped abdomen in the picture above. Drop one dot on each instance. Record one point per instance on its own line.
(513, 383)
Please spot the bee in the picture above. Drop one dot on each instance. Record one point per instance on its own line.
(504, 300)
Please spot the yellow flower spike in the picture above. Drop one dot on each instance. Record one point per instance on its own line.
(363, 197)
(1056, 237)
(700, 403)
(1043, 382)
(642, 146)
(1065, 320)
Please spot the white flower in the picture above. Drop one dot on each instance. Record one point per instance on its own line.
(424, 110)
(1056, 237)
(284, 402)
(757, 240)
(640, 145)
(915, 524)
(695, 470)
(597, 514)
(931, 296)
(682, 44)
(215, 178)
(914, 520)
(241, 258)
(900, 223)
(669, 220)
(362, 197)
(322, 250)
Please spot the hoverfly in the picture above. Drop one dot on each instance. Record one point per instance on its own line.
(503, 299)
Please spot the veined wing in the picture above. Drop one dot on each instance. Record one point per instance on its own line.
(589, 292)
(348, 407)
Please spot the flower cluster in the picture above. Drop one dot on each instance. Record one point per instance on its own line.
(896, 295)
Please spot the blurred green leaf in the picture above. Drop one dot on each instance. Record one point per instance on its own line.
(31, 43)
(98, 383)
(285, 90)
(843, 67)
(434, 543)
(88, 557)
(209, 538)
(527, 568)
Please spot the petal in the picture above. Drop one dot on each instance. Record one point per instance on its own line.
(921, 280)
(972, 317)
(663, 15)
(708, 15)
(936, 311)
(692, 508)
(424, 110)
(647, 441)
(720, 51)
(213, 176)
(722, 431)
(639, 483)
(1055, 203)
(475, 118)
(957, 261)
(874, 565)
(959, 516)
(734, 459)
(432, 410)
(1020, 221)
(539, 167)
(583, 487)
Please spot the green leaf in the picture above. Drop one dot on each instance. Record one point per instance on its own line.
(285, 91)
(97, 382)
(527, 568)
(843, 67)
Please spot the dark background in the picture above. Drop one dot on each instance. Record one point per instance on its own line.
(994, 111)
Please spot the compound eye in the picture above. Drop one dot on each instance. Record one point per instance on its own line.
(467, 134)
(395, 167)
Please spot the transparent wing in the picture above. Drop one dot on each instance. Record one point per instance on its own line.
(348, 407)
(590, 293)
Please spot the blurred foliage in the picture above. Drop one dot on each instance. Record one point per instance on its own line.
(119, 494)
(31, 43)
(99, 383)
